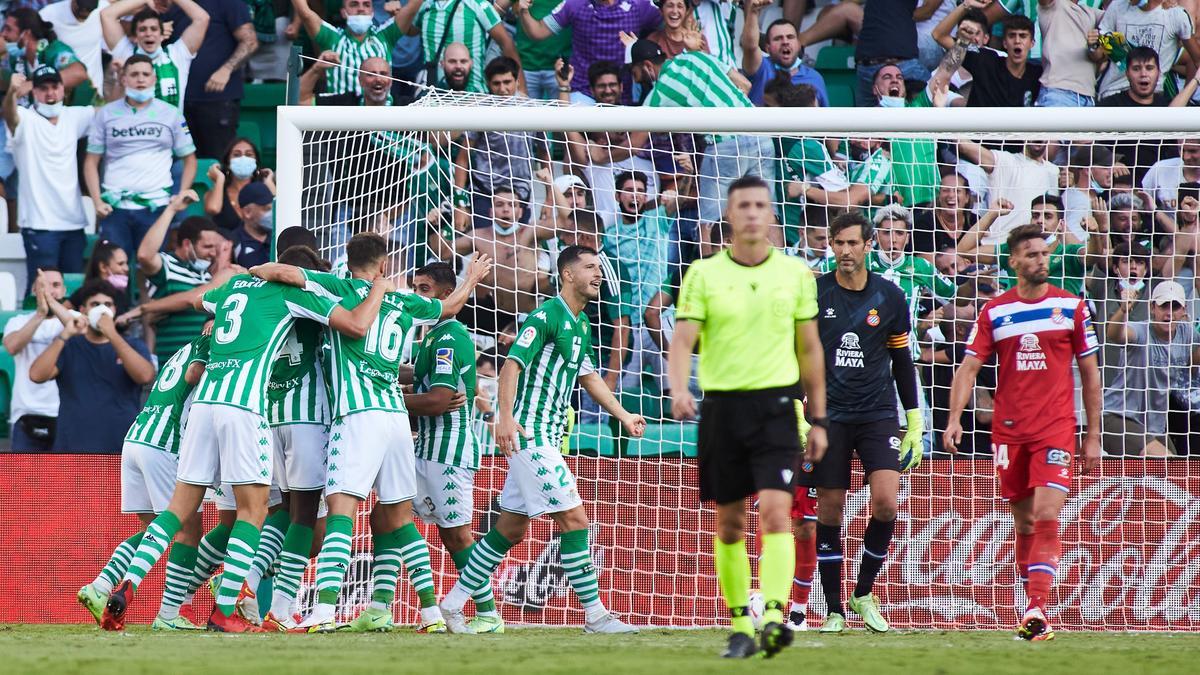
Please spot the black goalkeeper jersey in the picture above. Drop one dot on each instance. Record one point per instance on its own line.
(857, 330)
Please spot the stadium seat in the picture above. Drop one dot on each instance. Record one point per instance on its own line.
(201, 185)
(88, 247)
(834, 58)
(840, 96)
(593, 440)
(672, 439)
(258, 107)
(8, 291)
(252, 131)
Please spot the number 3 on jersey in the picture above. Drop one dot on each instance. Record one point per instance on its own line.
(232, 309)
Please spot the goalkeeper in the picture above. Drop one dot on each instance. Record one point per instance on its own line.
(864, 322)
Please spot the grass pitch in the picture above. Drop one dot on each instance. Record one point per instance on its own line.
(86, 649)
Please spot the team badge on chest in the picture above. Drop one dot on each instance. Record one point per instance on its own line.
(873, 318)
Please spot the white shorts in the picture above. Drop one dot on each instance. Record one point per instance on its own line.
(224, 444)
(222, 497)
(371, 448)
(538, 482)
(445, 494)
(147, 478)
(300, 456)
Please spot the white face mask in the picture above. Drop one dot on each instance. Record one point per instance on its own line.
(48, 110)
(891, 101)
(95, 313)
(243, 167)
(267, 221)
(359, 23)
(139, 95)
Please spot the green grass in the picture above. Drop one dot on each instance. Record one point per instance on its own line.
(85, 649)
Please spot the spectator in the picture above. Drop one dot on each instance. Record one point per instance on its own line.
(840, 21)
(1068, 74)
(1125, 223)
(1146, 23)
(539, 56)
(888, 37)
(948, 221)
(250, 245)
(927, 16)
(966, 25)
(373, 77)
(238, 168)
(1091, 178)
(1140, 78)
(108, 263)
(33, 43)
(604, 81)
(215, 84)
(1122, 285)
(597, 26)
(99, 373)
(1156, 359)
(781, 60)
(1187, 211)
(717, 22)
(813, 248)
(173, 62)
(1017, 179)
(34, 406)
(1163, 179)
(458, 69)
(77, 24)
(564, 195)
(914, 275)
(439, 22)
(600, 156)
(359, 41)
(679, 30)
(137, 136)
(273, 29)
(1009, 80)
(813, 174)
(44, 142)
(945, 355)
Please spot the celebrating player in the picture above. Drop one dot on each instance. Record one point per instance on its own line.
(447, 450)
(865, 325)
(553, 348)
(753, 307)
(1034, 330)
(227, 437)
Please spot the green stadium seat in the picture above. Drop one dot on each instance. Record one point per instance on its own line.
(258, 107)
(593, 440)
(252, 131)
(672, 439)
(202, 184)
(88, 247)
(833, 58)
(840, 96)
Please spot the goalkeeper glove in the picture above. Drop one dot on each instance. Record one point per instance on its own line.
(802, 424)
(912, 445)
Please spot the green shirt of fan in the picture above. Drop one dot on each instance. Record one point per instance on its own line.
(1066, 267)
(53, 53)
(442, 22)
(748, 319)
(695, 80)
(352, 50)
(178, 328)
(541, 54)
(447, 359)
(914, 162)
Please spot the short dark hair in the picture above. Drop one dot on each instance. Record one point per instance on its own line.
(136, 59)
(777, 23)
(976, 16)
(1142, 54)
(587, 221)
(96, 287)
(1023, 233)
(499, 66)
(441, 273)
(296, 235)
(192, 227)
(30, 20)
(146, 14)
(789, 95)
(365, 248)
(1185, 190)
(599, 68)
(627, 175)
(1134, 251)
(746, 183)
(1052, 200)
(302, 256)
(571, 254)
(1018, 22)
(849, 219)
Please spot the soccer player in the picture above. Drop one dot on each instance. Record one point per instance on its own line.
(804, 528)
(865, 323)
(447, 450)
(752, 308)
(552, 350)
(370, 441)
(227, 438)
(1034, 330)
(149, 461)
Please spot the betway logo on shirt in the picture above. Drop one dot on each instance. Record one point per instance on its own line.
(849, 353)
(140, 131)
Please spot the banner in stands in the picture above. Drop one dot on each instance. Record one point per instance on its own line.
(1131, 547)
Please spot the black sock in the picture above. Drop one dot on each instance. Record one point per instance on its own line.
(876, 541)
(829, 562)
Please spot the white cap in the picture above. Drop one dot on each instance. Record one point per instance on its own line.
(567, 181)
(1168, 291)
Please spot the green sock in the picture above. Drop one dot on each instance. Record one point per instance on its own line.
(776, 569)
(334, 558)
(385, 566)
(414, 552)
(485, 602)
(270, 542)
(115, 568)
(733, 573)
(239, 555)
(180, 563)
(577, 563)
(155, 541)
(485, 557)
(209, 556)
(293, 559)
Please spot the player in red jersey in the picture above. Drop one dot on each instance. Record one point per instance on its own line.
(804, 528)
(1034, 331)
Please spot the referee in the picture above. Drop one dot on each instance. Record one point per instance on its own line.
(864, 325)
(752, 309)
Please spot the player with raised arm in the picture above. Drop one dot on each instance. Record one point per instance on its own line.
(370, 441)
(149, 462)
(227, 439)
(552, 350)
(447, 450)
(752, 309)
(865, 323)
(1034, 330)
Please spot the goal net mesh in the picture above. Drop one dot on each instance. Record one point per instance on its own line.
(1122, 211)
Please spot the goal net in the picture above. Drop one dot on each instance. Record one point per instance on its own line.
(455, 175)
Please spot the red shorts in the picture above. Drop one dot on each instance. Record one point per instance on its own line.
(1021, 467)
(804, 504)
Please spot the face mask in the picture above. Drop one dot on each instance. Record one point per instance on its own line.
(1096, 188)
(200, 264)
(95, 313)
(154, 54)
(267, 221)
(891, 101)
(1127, 285)
(48, 110)
(118, 281)
(15, 51)
(243, 167)
(139, 95)
(359, 23)
(503, 229)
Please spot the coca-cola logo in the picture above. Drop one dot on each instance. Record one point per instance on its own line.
(530, 586)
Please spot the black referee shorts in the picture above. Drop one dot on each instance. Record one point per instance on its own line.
(749, 441)
(876, 443)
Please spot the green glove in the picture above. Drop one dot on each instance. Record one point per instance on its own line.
(912, 446)
(803, 424)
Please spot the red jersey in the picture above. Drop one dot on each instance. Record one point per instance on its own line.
(1034, 342)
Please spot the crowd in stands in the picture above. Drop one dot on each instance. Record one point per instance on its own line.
(126, 114)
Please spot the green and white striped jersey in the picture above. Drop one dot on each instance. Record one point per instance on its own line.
(471, 21)
(718, 22)
(296, 393)
(160, 423)
(252, 318)
(554, 347)
(696, 80)
(363, 373)
(178, 328)
(447, 359)
(376, 43)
